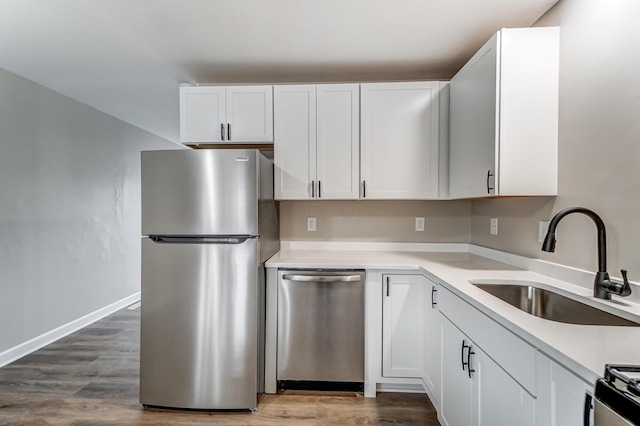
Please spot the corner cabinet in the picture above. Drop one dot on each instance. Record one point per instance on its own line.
(400, 140)
(504, 117)
(226, 114)
(317, 142)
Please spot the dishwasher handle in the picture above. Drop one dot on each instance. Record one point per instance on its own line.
(321, 278)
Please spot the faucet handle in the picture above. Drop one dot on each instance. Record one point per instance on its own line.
(626, 289)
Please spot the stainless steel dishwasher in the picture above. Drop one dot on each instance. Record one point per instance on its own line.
(321, 329)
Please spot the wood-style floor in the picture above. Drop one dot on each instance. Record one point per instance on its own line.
(91, 378)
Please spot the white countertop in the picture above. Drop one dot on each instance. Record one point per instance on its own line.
(584, 349)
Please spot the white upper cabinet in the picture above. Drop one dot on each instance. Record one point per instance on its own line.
(233, 114)
(316, 143)
(338, 143)
(400, 146)
(504, 117)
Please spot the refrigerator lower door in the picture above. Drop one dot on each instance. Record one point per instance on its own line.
(200, 325)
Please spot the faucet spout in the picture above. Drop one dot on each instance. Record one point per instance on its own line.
(550, 239)
(603, 287)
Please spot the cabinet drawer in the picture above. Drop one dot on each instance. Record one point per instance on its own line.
(513, 354)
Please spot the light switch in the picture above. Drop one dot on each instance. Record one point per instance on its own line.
(311, 224)
(493, 228)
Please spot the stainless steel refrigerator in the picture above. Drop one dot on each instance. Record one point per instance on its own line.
(209, 222)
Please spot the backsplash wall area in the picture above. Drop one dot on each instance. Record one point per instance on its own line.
(599, 145)
(382, 221)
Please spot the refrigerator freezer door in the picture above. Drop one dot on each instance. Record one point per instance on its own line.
(200, 192)
(199, 325)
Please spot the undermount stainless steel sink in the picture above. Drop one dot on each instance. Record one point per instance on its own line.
(552, 306)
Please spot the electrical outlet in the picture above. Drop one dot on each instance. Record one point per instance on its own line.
(543, 226)
(493, 228)
(311, 224)
(420, 224)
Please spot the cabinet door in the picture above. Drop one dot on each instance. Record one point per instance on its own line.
(561, 394)
(338, 136)
(432, 343)
(249, 114)
(202, 114)
(499, 400)
(457, 387)
(402, 325)
(399, 128)
(295, 142)
(473, 125)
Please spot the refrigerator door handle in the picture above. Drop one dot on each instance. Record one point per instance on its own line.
(321, 278)
(235, 239)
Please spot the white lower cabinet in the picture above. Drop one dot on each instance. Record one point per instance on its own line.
(457, 383)
(432, 343)
(475, 390)
(475, 371)
(402, 325)
(561, 395)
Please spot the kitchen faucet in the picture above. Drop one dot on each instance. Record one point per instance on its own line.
(603, 287)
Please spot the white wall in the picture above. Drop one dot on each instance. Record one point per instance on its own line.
(69, 209)
(599, 144)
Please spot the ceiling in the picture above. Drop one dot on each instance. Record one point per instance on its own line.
(127, 58)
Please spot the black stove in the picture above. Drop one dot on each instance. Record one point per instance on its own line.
(617, 396)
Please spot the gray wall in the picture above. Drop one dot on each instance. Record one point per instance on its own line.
(599, 144)
(69, 209)
(383, 221)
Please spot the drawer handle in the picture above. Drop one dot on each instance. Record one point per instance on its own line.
(434, 290)
(321, 278)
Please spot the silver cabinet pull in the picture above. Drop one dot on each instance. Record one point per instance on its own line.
(222, 131)
(321, 278)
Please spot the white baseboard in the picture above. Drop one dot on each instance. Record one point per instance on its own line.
(32, 345)
(400, 388)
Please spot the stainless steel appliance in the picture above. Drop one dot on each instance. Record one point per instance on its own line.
(320, 329)
(209, 222)
(617, 397)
